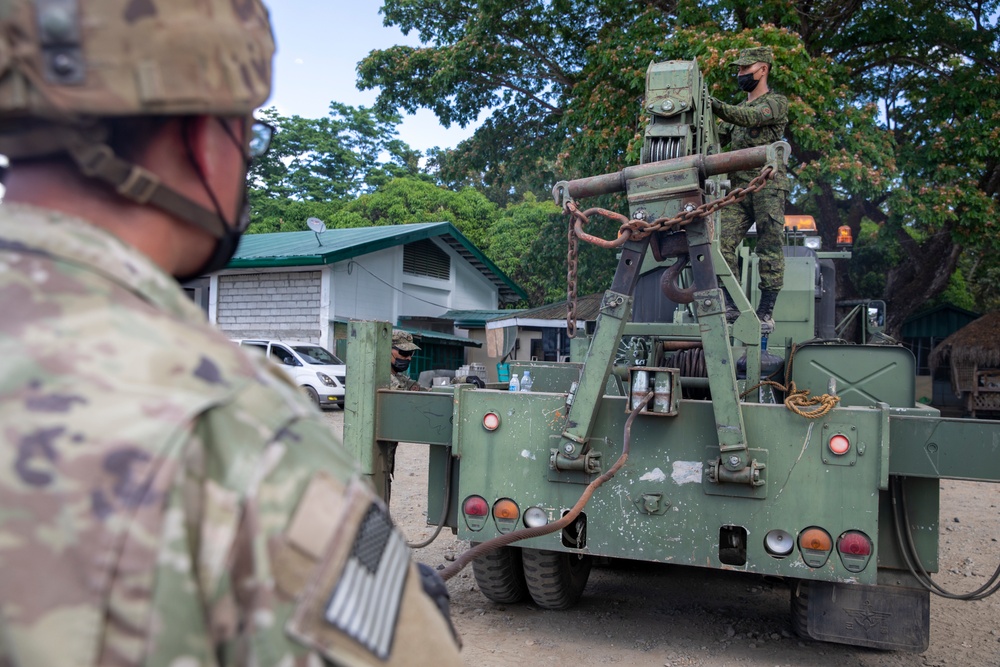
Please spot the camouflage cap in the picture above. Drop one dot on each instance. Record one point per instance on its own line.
(66, 64)
(757, 54)
(402, 340)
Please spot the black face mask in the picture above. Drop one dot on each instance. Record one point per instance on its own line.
(225, 247)
(746, 82)
(400, 365)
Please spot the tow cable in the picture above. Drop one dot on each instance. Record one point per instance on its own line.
(484, 548)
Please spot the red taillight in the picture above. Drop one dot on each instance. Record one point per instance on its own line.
(839, 444)
(855, 544)
(491, 421)
(855, 550)
(475, 510)
(475, 506)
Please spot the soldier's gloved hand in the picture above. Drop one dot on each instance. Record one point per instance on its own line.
(474, 379)
(436, 589)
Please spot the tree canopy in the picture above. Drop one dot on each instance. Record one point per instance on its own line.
(894, 111)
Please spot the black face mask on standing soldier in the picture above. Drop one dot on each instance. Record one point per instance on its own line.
(400, 365)
(746, 82)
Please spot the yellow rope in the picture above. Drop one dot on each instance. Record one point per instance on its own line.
(798, 400)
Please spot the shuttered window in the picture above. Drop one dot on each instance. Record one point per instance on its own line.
(425, 258)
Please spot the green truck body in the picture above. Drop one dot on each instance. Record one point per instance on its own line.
(719, 474)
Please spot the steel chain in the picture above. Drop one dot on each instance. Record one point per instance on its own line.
(572, 258)
(633, 228)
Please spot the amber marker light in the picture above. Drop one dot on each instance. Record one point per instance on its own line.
(491, 421)
(839, 444)
(505, 514)
(844, 238)
(815, 545)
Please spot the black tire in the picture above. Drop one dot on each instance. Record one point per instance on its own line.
(313, 396)
(800, 608)
(500, 575)
(555, 579)
(340, 404)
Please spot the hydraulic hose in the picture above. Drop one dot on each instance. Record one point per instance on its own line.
(503, 540)
(907, 547)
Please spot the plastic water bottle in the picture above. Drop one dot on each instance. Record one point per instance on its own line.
(526, 381)
(514, 385)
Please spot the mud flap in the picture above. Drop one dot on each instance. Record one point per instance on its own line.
(881, 617)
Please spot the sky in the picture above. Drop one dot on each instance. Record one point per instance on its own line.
(319, 45)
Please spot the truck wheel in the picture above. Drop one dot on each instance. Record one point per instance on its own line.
(555, 579)
(311, 393)
(800, 608)
(500, 576)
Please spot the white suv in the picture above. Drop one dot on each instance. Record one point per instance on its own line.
(319, 372)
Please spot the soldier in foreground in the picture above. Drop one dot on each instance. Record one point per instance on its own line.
(166, 500)
(758, 121)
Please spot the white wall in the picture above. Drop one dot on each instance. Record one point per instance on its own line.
(270, 305)
(356, 294)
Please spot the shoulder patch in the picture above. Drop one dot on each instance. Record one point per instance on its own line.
(356, 592)
(371, 585)
(766, 111)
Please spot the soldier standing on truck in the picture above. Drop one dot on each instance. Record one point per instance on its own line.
(758, 121)
(166, 499)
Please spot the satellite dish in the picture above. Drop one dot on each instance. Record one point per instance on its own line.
(318, 226)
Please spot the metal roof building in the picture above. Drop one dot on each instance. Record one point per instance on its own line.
(307, 285)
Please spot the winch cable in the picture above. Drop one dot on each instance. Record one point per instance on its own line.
(503, 540)
(907, 547)
(444, 506)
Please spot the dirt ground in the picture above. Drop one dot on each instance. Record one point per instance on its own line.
(647, 615)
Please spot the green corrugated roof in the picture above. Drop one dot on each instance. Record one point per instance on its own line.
(475, 319)
(939, 322)
(422, 334)
(279, 249)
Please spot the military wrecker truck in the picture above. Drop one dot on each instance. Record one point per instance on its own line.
(658, 442)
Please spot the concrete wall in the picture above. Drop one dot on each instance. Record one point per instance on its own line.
(270, 305)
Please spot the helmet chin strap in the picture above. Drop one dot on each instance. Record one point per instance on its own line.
(139, 185)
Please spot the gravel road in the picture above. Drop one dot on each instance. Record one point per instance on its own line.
(651, 615)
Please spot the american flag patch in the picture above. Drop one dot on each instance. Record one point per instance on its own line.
(365, 602)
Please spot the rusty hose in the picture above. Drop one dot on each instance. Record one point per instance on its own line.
(568, 518)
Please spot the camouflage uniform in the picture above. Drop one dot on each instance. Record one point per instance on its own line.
(403, 381)
(747, 125)
(166, 499)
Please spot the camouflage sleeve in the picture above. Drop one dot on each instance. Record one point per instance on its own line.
(774, 111)
(274, 529)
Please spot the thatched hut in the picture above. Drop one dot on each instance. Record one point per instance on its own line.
(973, 355)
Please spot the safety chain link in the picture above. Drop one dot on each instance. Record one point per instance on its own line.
(572, 258)
(637, 229)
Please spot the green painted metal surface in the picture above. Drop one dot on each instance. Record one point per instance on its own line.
(863, 374)
(672, 501)
(668, 457)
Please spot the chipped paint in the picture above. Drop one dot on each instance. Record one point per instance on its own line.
(654, 475)
(686, 472)
(528, 454)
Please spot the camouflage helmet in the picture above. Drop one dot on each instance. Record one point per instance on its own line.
(65, 64)
(756, 54)
(403, 340)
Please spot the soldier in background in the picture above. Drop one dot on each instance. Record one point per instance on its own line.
(166, 500)
(758, 121)
(403, 348)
